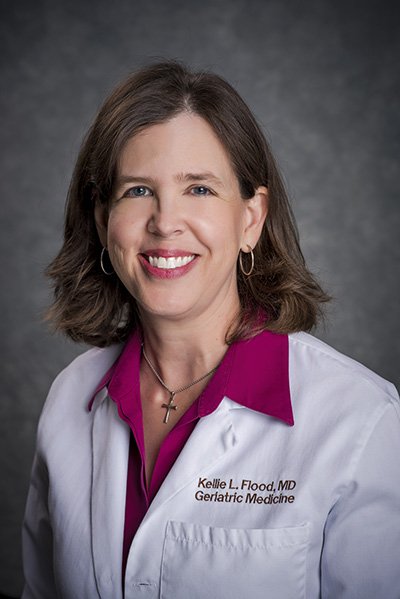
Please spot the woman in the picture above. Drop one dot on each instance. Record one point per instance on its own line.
(211, 447)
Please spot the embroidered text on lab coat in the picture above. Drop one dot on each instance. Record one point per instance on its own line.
(245, 491)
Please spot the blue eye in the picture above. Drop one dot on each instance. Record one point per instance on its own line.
(139, 191)
(201, 190)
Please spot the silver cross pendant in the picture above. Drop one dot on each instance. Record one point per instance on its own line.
(169, 406)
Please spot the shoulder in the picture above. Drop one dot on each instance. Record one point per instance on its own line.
(318, 369)
(73, 388)
(84, 373)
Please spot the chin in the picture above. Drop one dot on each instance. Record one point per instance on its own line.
(165, 308)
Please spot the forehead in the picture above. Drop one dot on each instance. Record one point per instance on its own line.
(184, 143)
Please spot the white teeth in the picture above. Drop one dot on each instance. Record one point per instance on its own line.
(170, 263)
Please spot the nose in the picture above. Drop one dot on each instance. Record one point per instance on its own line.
(166, 219)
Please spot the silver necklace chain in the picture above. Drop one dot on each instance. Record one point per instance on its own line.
(170, 406)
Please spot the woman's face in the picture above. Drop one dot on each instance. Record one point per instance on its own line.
(176, 222)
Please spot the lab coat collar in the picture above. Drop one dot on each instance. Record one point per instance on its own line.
(254, 373)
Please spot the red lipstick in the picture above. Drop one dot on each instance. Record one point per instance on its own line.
(167, 273)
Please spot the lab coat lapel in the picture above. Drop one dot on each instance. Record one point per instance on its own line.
(110, 443)
(213, 436)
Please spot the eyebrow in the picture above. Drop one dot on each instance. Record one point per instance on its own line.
(207, 176)
(124, 179)
(181, 177)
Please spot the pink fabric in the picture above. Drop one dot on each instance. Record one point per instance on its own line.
(253, 373)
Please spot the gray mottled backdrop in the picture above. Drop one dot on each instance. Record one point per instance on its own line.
(322, 77)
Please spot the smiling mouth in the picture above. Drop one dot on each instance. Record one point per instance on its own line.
(169, 263)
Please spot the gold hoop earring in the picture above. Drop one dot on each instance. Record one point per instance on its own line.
(252, 261)
(102, 265)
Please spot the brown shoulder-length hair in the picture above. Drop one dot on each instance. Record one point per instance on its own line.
(280, 295)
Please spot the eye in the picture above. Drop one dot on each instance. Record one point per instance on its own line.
(138, 191)
(201, 190)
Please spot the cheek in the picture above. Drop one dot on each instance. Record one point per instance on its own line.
(225, 219)
(120, 229)
(229, 228)
(119, 245)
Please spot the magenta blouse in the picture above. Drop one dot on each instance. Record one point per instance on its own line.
(253, 373)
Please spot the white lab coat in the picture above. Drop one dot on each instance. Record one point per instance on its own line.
(252, 507)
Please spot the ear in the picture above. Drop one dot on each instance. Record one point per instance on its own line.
(256, 213)
(101, 219)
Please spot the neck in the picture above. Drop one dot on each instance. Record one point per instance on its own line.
(182, 352)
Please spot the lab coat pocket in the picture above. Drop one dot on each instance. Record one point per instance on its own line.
(202, 561)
